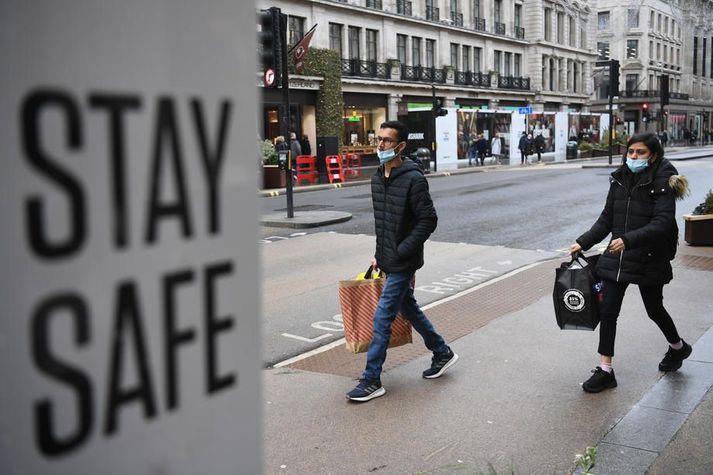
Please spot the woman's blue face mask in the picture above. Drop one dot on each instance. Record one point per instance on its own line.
(637, 165)
(637, 157)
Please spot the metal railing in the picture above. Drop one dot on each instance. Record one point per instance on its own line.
(478, 23)
(652, 94)
(467, 78)
(432, 14)
(376, 4)
(421, 73)
(403, 7)
(520, 32)
(499, 28)
(457, 19)
(512, 82)
(365, 69)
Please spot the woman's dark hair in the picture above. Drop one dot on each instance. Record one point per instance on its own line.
(650, 140)
(398, 126)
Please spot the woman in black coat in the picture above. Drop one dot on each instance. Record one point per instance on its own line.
(640, 214)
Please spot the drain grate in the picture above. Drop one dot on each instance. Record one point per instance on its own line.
(694, 262)
(453, 319)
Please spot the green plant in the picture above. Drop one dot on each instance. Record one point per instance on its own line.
(585, 147)
(707, 206)
(268, 153)
(330, 102)
(586, 461)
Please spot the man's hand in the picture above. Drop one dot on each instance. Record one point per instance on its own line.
(574, 248)
(616, 246)
(373, 263)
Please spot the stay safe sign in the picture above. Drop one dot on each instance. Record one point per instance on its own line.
(129, 319)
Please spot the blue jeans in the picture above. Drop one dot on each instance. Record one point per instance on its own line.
(396, 297)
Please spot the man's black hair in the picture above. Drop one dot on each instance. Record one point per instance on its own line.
(399, 127)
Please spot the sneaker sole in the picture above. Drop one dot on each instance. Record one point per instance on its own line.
(379, 392)
(447, 365)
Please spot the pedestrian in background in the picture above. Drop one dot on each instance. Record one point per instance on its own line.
(481, 146)
(539, 146)
(404, 217)
(496, 149)
(305, 145)
(640, 214)
(523, 145)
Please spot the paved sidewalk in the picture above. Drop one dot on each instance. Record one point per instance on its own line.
(513, 402)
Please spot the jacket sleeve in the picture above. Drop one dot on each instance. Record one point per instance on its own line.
(662, 222)
(424, 216)
(602, 227)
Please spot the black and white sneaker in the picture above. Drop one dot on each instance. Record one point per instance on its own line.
(439, 364)
(366, 390)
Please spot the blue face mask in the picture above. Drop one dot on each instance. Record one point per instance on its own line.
(636, 165)
(386, 155)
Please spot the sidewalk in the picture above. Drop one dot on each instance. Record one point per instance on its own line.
(513, 402)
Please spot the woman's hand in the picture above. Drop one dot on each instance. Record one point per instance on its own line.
(616, 246)
(575, 248)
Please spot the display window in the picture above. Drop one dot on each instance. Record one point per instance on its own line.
(361, 125)
(543, 124)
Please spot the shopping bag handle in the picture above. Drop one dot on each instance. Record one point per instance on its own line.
(577, 256)
(370, 271)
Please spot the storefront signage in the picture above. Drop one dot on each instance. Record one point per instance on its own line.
(129, 337)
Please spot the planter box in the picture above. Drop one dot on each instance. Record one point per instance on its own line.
(699, 229)
(273, 177)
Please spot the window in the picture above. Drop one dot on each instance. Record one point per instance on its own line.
(560, 27)
(695, 56)
(518, 65)
(665, 26)
(572, 32)
(466, 58)
(518, 15)
(497, 59)
(476, 8)
(454, 55)
(602, 51)
(632, 48)
(651, 50)
(583, 36)
(658, 23)
(371, 46)
(651, 20)
(296, 29)
(575, 79)
(632, 80)
(415, 51)
(658, 51)
(335, 38)
(477, 54)
(632, 18)
(703, 59)
(548, 24)
(603, 21)
(552, 74)
(430, 53)
(507, 69)
(354, 33)
(498, 11)
(401, 48)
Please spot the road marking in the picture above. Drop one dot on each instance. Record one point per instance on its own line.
(305, 339)
(456, 281)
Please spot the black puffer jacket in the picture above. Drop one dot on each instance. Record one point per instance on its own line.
(404, 217)
(641, 210)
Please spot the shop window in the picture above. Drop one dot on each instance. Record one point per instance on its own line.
(360, 124)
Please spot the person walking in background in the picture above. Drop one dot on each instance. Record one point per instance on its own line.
(496, 149)
(640, 214)
(404, 217)
(295, 147)
(481, 147)
(522, 145)
(305, 145)
(539, 146)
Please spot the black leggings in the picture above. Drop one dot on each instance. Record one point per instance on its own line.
(610, 307)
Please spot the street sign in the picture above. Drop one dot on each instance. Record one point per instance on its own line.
(129, 336)
(524, 110)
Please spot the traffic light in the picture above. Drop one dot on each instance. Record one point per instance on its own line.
(645, 114)
(270, 43)
(438, 110)
(664, 90)
(613, 77)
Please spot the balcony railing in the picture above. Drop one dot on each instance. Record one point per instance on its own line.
(432, 14)
(376, 4)
(403, 7)
(519, 32)
(478, 24)
(472, 79)
(365, 69)
(651, 93)
(499, 28)
(457, 19)
(512, 82)
(421, 73)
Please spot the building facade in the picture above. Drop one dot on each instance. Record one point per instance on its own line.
(654, 40)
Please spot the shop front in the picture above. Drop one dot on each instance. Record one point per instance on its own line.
(363, 114)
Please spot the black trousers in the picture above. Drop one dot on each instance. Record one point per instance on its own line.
(613, 293)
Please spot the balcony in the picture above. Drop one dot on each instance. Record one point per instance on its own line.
(519, 33)
(375, 4)
(432, 14)
(499, 28)
(365, 69)
(403, 7)
(456, 19)
(651, 93)
(463, 78)
(478, 24)
(421, 73)
(512, 82)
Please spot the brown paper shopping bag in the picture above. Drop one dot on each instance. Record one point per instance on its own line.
(358, 299)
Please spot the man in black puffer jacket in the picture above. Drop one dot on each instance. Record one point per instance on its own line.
(404, 218)
(640, 214)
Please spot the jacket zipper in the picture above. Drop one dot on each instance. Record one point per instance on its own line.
(381, 250)
(626, 219)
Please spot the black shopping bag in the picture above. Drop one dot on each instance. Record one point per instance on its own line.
(577, 293)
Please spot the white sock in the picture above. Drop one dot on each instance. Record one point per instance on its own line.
(606, 367)
(676, 346)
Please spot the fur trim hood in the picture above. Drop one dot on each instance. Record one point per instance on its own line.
(679, 185)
